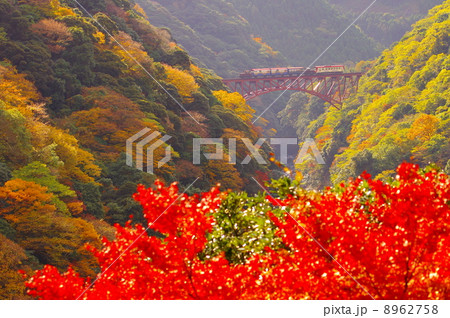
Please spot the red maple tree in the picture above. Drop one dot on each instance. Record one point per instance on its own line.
(363, 240)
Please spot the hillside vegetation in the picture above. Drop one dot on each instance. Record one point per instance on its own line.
(213, 32)
(70, 97)
(401, 112)
(302, 30)
(75, 85)
(231, 36)
(386, 21)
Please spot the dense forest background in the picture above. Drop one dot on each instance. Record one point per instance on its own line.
(401, 112)
(386, 21)
(70, 96)
(231, 36)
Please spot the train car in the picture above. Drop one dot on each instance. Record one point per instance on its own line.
(309, 72)
(296, 71)
(256, 72)
(330, 69)
(279, 71)
(263, 72)
(272, 72)
(246, 74)
(301, 71)
(292, 71)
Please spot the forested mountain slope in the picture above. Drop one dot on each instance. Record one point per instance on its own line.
(214, 32)
(401, 112)
(230, 36)
(70, 96)
(302, 30)
(386, 21)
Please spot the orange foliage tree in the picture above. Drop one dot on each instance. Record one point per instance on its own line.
(424, 127)
(12, 259)
(19, 197)
(105, 127)
(51, 236)
(134, 53)
(221, 171)
(55, 34)
(15, 89)
(113, 119)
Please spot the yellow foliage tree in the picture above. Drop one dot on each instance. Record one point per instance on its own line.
(423, 128)
(139, 10)
(100, 37)
(195, 71)
(61, 150)
(236, 103)
(183, 81)
(51, 145)
(15, 89)
(129, 51)
(51, 7)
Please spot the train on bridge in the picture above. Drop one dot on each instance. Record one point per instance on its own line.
(293, 71)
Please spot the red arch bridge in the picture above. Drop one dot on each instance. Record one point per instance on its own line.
(332, 88)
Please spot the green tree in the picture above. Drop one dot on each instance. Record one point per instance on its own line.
(90, 194)
(39, 173)
(5, 173)
(243, 228)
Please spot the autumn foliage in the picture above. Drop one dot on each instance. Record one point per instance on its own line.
(235, 102)
(391, 238)
(56, 34)
(184, 82)
(72, 93)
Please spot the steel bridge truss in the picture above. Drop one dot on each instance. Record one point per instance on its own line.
(333, 89)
